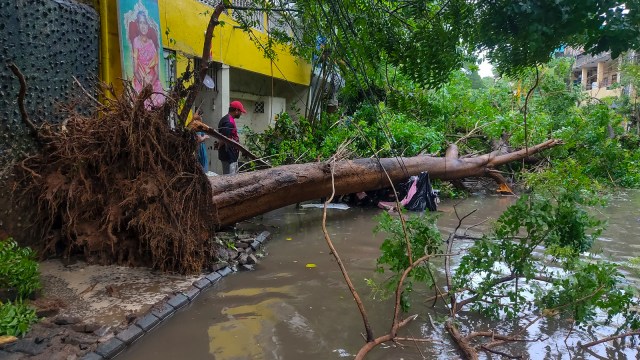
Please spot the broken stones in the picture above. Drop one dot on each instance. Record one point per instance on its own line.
(102, 331)
(85, 328)
(66, 320)
(47, 307)
(28, 346)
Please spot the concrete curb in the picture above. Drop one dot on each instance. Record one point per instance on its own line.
(162, 311)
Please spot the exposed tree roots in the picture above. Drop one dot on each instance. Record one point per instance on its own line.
(121, 187)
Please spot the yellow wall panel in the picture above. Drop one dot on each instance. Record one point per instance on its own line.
(185, 22)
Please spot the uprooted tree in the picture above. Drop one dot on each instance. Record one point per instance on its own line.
(121, 186)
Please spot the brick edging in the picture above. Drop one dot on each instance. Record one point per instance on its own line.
(162, 311)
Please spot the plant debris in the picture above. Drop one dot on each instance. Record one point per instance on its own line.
(121, 187)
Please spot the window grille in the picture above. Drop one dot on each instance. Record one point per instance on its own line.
(170, 62)
(259, 107)
(212, 71)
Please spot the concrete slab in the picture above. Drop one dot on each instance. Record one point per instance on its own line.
(178, 301)
(130, 334)
(111, 348)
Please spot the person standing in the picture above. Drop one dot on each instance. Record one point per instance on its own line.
(201, 154)
(228, 154)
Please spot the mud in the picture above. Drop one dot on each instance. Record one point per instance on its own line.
(85, 308)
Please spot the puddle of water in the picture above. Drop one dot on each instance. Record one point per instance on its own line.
(286, 310)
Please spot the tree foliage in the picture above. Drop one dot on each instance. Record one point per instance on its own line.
(407, 92)
(431, 39)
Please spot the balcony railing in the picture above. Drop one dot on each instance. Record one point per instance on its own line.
(584, 59)
(254, 18)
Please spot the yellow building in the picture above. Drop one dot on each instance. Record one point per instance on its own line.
(239, 69)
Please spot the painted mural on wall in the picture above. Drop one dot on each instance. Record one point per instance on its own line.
(141, 47)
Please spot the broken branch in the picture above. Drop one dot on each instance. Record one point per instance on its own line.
(202, 127)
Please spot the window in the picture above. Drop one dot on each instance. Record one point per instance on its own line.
(212, 72)
(170, 62)
(259, 107)
(278, 22)
(614, 78)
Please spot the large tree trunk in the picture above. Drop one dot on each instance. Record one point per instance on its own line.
(242, 196)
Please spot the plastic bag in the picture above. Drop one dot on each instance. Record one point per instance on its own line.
(425, 197)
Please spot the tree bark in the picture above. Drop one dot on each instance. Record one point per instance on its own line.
(243, 196)
(204, 64)
(468, 351)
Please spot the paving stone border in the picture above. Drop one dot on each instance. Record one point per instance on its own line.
(162, 311)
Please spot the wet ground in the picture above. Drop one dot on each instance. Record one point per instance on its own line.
(296, 305)
(98, 310)
(107, 294)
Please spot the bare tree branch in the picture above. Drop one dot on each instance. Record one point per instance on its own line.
(335, 254)
(610, 338)
(21, 96)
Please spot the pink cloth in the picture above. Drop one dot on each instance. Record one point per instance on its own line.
(144, 73)
(389, 205)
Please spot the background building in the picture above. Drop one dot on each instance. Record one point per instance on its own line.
(239, 69)
(598, 74)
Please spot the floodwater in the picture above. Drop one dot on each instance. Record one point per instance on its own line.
(297, 306)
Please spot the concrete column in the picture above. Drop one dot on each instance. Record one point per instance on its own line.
(584, 78)
(221, 107)
(600, 74)
(225, 89)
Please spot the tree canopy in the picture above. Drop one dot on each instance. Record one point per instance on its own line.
(430, 39)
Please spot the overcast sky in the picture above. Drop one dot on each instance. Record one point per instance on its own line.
(485, 69)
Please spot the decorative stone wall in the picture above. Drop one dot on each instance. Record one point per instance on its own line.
(50, 41)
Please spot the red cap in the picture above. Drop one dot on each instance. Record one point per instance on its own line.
(238, 105)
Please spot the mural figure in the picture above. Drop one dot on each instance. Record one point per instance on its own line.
(142, 49)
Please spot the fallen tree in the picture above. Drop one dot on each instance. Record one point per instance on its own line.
(121, 186)
(246, 195)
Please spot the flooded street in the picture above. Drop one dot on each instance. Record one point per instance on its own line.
(296, 305)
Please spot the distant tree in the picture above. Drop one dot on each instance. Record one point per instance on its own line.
(429, 39)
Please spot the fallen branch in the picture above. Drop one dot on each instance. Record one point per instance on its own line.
(447, 262)
(343, 270)
(382, 339)
(204, 65)
(468, 351)
(610, 338)
(503, 354)
(246, 195)
(202, 127)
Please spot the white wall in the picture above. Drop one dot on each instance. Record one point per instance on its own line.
(249, 88)
(256, 121)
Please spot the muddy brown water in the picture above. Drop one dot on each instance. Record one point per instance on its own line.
(287, 310)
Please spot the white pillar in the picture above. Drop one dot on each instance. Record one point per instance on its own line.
(224, 89)
(600, 74)
(221, 108)
(584, 78)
